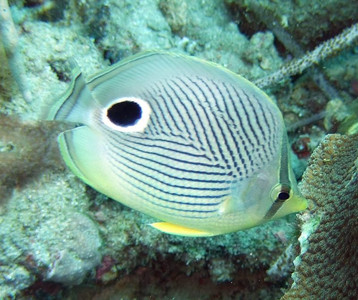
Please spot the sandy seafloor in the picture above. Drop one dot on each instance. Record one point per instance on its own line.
(62, 240)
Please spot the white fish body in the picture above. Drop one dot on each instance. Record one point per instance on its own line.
(180, 139)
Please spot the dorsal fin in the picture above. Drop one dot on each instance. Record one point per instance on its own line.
(75, 103)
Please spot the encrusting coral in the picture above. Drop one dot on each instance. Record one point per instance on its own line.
(328, 263)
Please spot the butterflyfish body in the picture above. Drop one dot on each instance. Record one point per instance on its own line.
(180, 139)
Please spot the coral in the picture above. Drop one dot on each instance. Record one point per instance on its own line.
(168, 280)
(327, 265)
(176, 14)
(221, 269)
(283, 266)
(94, 17)
(309, 22)
(44, 228)
(46, 61)
(128, 238)
(345, 68)
(340, 117)
(120, 28)
(13, 278)
(72, 251)
(328, 48)
(46, 225)
(107, 270)
(59, 242)
(287, 23)
(206, 31)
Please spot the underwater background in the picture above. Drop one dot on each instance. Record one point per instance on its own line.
(60, 239)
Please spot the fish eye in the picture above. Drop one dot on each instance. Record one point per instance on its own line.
(280, 192)
(127, 114)
(283, 195)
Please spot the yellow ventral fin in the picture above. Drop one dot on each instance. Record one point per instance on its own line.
(179, 230)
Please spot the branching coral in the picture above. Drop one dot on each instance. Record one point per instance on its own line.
(328, 264)
(324, 50)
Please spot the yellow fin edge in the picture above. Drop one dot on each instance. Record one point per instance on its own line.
(179, 230)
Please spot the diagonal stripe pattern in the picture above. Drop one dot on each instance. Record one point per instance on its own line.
(203, 135)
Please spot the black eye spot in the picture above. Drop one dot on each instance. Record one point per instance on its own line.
(125, 113)
(283, 195)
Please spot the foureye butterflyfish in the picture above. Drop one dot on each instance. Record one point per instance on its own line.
(183, 140)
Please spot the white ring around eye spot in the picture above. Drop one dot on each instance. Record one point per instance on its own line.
(140, 124)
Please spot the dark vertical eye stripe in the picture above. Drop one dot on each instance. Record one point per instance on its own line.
(284, 162)
(284, 179)
(274, 208)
